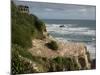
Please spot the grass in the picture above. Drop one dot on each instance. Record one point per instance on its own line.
(19, 65)
(44, 64)
(66, 63)
(25, 27)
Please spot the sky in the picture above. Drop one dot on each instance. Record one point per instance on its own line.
(60, 11)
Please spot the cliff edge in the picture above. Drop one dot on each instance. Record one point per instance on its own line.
(35, 51)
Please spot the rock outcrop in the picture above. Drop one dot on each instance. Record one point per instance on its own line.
(77, 51)
(30, 53)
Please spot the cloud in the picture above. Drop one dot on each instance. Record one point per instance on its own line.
(60, 11)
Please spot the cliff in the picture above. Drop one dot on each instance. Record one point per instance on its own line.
(76, 51)
(34, 50)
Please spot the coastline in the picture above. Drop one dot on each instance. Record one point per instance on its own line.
(36, 51)
(73, 33)
(77, 51)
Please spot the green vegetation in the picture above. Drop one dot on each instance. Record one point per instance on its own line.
(52, 45)
(26, 27)
(21, 51)
(19, 65)
(66, 63)
(82, 62)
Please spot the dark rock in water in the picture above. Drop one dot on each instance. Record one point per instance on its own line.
(61, 26)
(93, 64)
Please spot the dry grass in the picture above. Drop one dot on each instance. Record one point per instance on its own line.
(65, 49)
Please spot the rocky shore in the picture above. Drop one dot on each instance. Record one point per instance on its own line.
(35, 51)
(78, 51)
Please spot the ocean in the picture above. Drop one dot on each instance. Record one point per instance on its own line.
(74, 31)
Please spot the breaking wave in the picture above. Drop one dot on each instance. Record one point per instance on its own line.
(75, 33)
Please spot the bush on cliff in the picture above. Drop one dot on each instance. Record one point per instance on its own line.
(20, 61)
(66, 63)
(24, 28)
(52, 45)
(19, 65)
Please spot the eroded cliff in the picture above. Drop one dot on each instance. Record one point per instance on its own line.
(34, 50)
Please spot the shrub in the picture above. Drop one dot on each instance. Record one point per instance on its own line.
(39, 24)
(82, 62)
(25, 27)
(52, 45)
(58, 59)
(65, 63)
(21, 51)
(19, 65)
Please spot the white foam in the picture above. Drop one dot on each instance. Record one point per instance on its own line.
(68, 29)
(61, 39)
(90, 46)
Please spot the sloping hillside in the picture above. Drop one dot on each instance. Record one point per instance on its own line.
(34, 51)
(24, 28)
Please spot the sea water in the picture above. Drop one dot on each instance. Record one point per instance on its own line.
(74, 31)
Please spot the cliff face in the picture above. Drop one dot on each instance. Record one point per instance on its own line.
(75, 51)
(31, 54)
